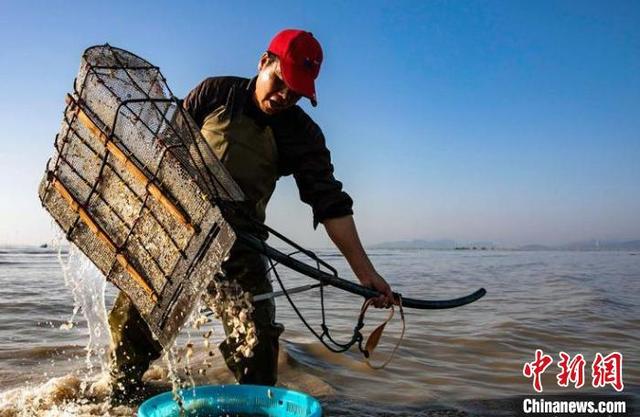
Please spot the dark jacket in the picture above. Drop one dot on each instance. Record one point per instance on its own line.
(300, 142)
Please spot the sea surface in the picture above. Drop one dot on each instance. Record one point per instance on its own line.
(464, 361)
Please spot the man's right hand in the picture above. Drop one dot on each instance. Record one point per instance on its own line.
(376, 282)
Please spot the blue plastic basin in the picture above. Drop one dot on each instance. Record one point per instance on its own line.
(233, 400)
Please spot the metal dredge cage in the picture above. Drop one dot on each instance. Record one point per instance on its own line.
(133, 185)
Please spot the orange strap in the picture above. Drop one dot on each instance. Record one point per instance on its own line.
(376, 334)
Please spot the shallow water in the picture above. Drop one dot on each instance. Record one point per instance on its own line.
(449, 361)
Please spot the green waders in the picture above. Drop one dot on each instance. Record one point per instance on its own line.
(249, 153)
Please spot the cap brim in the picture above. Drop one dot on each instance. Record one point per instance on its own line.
(299, 81)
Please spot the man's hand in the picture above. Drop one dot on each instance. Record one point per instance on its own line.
(342, 230)
(376, 282)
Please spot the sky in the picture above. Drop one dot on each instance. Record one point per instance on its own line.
(510, 121)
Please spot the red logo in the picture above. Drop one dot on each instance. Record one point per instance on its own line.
(571, 370)
(536, 368)
(607, 370)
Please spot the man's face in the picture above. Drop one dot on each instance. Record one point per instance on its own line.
(272, 94)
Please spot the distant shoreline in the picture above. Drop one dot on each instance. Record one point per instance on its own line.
(584, 246)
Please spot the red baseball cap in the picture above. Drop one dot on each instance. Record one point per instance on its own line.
(300, 57)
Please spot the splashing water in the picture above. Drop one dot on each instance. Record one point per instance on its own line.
(87, 285)
(63, 396)
(176, 382)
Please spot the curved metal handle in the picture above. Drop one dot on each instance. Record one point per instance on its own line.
(333, 280)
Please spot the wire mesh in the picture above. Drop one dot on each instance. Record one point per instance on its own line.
(133, 184)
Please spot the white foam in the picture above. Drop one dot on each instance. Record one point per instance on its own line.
(87, 285)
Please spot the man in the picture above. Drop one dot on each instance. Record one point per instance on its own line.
(255, 128)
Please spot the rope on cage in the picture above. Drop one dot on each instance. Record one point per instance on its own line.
(335, 346)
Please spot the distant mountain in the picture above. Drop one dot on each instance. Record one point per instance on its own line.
(416, 244)
(432, 244)
(613, 245)
(587, 245)
(447, 244)
(535, 247)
